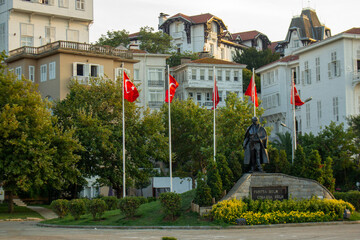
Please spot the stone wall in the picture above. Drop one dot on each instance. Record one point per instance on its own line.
(299, 188)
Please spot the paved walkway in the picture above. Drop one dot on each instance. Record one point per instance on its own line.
(45, 212)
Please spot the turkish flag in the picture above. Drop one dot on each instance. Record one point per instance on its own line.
(251, 91)
(173, 84)
(130, 91)
(215, 95)
(298, 101)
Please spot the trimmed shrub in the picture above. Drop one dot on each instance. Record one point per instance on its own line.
(97, 208)
(214, 180)
(86, 202)
(129, 205)
(202, 193)
(77, 208)
(111, 202)
(142, 200)
(60, 207)
(171, 203)
(352, 197)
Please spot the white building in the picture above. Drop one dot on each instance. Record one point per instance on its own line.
(38, 22)
(328, 71)
(200, 33)
(196, 80)
(150, 73)
(253, 38)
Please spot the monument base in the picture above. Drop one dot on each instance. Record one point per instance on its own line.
(276, 186)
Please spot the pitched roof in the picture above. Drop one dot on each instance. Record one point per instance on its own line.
(214, 61)
(353, 31)
(246, 35)
(197, 19)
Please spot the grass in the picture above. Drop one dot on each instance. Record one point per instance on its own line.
(355, 216)
(19, 212)
(149, 214)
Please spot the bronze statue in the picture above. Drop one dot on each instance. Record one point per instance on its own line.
(255, 144)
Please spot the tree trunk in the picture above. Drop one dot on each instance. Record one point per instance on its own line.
(11, 202)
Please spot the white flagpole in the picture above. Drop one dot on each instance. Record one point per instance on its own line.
(214, 105)
(253, 92)
(123, 122)
(170, 160)
(294, 117)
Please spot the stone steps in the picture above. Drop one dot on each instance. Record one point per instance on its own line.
(19, 203)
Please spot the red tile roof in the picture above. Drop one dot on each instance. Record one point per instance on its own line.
(284, 59)
(353, 31)
(134, 35)
(214, 61)
(273, 45)
(202, 18)
(246, 35)
(137, 51)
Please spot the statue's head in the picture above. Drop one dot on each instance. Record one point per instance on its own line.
(255, 120)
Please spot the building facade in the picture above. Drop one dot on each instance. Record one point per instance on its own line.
(52, 66)
(196, 80)
(200, 33)
(38, 22)
(253, 38)
(328, 71)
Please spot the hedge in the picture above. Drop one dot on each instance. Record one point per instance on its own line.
(60, 207)
(352, 197)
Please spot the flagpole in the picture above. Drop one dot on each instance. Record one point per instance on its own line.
(294, 117)
(123, 129)
(214, 105)
(170, 160)
(253, 91)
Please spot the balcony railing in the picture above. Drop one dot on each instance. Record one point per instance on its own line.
(82, 80)
(156, 83)
(155, 103)
(208, 104)
(75, 46)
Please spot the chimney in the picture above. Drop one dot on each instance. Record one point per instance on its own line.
(162, 18)
(184, 60)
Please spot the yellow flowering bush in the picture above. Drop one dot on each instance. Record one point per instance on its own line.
(228, 210)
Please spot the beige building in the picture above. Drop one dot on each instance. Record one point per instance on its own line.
(53, 66)
(38, 22)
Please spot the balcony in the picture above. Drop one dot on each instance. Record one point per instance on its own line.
(177, 35)
(155, 103)
(152, 83)
(208, 104)
(81, 79)
(70, 46)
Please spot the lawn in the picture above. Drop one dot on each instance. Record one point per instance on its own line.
(19, 212)
(149, 214)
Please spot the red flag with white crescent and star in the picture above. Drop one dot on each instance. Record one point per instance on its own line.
(215, 95)
(298, 101)
(130, 91)
(252, 92)
(173, 84)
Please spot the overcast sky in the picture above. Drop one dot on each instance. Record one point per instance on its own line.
(271, 17)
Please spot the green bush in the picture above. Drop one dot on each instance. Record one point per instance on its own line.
(214, 180)
(111, 202)
(151, 199)
(171, 203)
(168, 238)
(96, 207)
(86, 202)
(60, 207)
(129, 205)
(142, 200)
(77, 208)
(202, 193)
(352, 197)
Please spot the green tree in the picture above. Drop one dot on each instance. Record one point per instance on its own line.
(34, 150)
(254, 58)
(202, 192)
(284, 164)
(273, 165)
(247, 74)
(284, 142)
(175, 58)
(298, 168)
(95, 112)
(234, 161)
(329, 180)
(114, 38)
(191, 135)
(214, 180)
(314, 167)
(225, 172)
(154, 42)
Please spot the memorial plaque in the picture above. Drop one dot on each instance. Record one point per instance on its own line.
(271, 193)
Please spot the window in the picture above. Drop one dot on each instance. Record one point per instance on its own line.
(306, 73)
(193, 74)
(178, 27)
(219, 75)
(336, 108)
(191, 95)
(308, 115)
(227, 75)
(2, 2)
(32, 73)
(296, 43)
(319, 113)
(27, 34)
(64, 3)
(202, 74)
(86, 70)
(52, 70)
(18, 72)
(156, 74)
(211, 74)
(49, 34)
(72, 35)
(47, 2)
(317, 63)
(208, 97)
(43, 73)
(220, 96)
(2, 36)
(236, 76)
(80, 4)
(198, 97)
(334, 66)
(156, 98)
(136, 74)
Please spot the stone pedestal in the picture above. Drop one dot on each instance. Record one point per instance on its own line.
(276, 186)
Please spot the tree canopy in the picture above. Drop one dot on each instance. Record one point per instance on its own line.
(114, 38)
(154, 42)
(254, 58)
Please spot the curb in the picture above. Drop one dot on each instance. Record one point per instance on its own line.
(198, 227)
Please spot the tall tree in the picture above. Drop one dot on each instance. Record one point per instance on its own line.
(34, 150)
(114, 38)
(154, 42)
(254, 58)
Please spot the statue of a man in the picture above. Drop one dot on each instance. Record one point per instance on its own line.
(255, 144)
